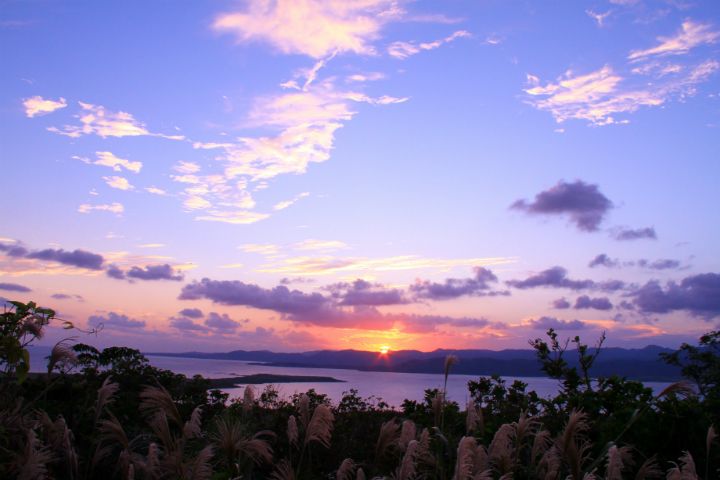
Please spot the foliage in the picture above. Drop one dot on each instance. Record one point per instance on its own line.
(701, 365)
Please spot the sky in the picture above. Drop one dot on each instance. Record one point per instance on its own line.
(296, 175)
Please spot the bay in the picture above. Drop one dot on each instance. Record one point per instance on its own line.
(391, 387)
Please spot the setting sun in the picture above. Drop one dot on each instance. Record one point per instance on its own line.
(384, 350)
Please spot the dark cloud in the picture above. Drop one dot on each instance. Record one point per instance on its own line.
(358, 285)
(114, 272)
(63, 296)
(584, 302)
(555, 277)
(610, 285)
(186, 324)
(561, 303)
(697, 294)
(224, 322)
(457, 287)
(279, 299)
(192, 313)
(77, 258)
(14, 287)
(625, 305)
(362, 292)
(628, 234)
(290, 281)
(113, 320)
(13, 250)
(583, 202)
(659, 264)
(156, 272)
(546, 323)
(603, 260)
(375, 298)
(296, 306)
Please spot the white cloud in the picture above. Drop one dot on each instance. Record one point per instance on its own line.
(319, 245)
(37, 106)
(365, 77)
(118, 182)
(156, 191)
(286, 204)
(405, 49)
(327, 265)
(600, 17)
(196, 202)
(152, 245)
(238, 217)
(187, 167)
(691, 35)
(657, 68)
(105, 123)
(262, 249)
(186, 178)
(210, 145)
(115, 207)
(109, 160)
(311, 27)
(402, 49)
(309, 120)
(232, 265)
(599, 95)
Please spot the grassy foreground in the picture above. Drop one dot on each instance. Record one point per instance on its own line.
(118, 417)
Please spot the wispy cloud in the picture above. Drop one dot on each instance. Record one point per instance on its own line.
(106, 123)
(109, 160)
(365, 77)
(118, 182)
(152, 245)
(599, 17)
(156, 191)
(115, 207)
(406, 49)
(318, 245)
(187, 167)
(196, 202)
(210, 145)
(690, 35)
(237, 217)
(311, 27)
(286, 204)
(327, 265)
(599, 95)
(36, 106)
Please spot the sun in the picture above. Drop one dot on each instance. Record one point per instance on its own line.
(384, 350)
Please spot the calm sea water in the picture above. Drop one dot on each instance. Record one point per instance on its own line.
(393, 388)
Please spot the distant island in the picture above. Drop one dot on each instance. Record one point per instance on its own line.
(266, 378)
(641, 364)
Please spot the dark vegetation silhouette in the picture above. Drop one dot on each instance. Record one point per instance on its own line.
(109, 414)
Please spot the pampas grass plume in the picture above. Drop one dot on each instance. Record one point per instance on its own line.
(320, 427)
(388, 436)
(248, 399)
(346, 469)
